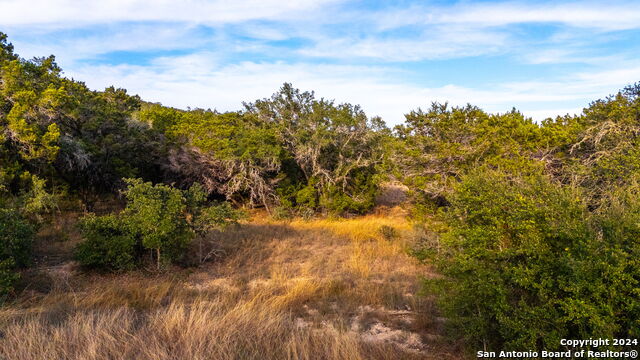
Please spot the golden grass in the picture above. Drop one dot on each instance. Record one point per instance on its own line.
(364, 228)
(319, 289)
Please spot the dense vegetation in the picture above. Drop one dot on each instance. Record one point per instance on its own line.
(534, 225)
(158, 218)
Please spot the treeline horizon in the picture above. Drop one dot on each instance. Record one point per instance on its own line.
(533, 225)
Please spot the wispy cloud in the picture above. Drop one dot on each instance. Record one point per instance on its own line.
(69, 13)
(543, 57)
(596, 15)
(193, 80)
(436, 43)
(99, 40)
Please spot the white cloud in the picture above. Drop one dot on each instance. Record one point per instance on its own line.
(436, 43)
(597, 15)
(332, 28)
(612, 15)
(192, 81)
(70, 13)
(95, 42)
(553, 112)
(615, 75)
(467, 29)
(218, 73)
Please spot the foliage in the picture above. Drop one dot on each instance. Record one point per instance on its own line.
(290, 150)
(203, 217)
(16, 237)
(58, 129)
(617, 258)
(157, 217)
(605, 152)
(540, 219)
(526, 265)
(441, 145)
(332, 150)
(36, 199)
(108, 244)
(230, 154)
(160, 117)
(388, 232)
(8, 277)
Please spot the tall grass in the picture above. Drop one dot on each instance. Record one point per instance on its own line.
(297, 290)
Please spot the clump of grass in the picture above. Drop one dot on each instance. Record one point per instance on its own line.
(388, 232)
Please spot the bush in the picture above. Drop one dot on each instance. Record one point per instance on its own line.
(108, 244)
(8, 276)
(307, 197)
(16, 238)
(157, 217)
(282, 213)
(357, 197)
(525, 266)
(617, 258)
(443, 143)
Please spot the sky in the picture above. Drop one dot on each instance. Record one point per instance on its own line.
(545, 58)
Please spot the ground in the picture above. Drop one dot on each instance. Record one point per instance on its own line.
(300, 289)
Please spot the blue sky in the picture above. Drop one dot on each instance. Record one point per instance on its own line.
(544, 58)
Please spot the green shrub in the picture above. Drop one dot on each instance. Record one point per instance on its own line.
(157, 217)
(8, 276)
(108, 244)
(338, 202)
(524, 265)
(307, 197)
(357, 197)
(443, 143)
(16, 238)
(618, 258)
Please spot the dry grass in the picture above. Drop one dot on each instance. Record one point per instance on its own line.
(321, 289)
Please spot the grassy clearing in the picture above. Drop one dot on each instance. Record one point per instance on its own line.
(319, 289)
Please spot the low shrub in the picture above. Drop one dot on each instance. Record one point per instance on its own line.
(16, 238)
(156, 215)
(108, 244)
(159, 218)
(525, 264)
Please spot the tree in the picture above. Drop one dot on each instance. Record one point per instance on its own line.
(439, 146)
(157, 217)
(329, 147)
(231, 154)
(290, 150)
(156, 214)
(204, 218)
(58, 129)
(605, 152)
(109, 243)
